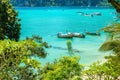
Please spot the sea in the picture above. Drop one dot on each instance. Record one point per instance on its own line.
(47, 22)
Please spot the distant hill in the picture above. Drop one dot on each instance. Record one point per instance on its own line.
(37, 3)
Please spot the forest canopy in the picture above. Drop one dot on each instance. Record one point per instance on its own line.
(33, 3)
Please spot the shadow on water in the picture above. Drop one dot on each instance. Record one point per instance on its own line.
(63, 48)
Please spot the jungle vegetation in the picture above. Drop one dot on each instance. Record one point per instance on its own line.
(17, 59)
(34, 3)
(109, 70)
(9, 22)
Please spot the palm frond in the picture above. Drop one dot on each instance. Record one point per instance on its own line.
(110, 45)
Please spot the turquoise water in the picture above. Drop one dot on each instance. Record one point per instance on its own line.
(48, 22)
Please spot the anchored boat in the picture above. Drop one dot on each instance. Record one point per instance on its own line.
(61, 35)
(70, 35)
(92, 33)
(78, 35)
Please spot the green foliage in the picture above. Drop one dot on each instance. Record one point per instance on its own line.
(113, 30)
(114, 27)
(115, 4)
(114, 61)
(16, 61)
(9, 23)
(38, 46)
(104, 3)
(69, 46)
(99, 71)
(33, 3)
(110, 45)
(111, 68)
(114, 38)
(66, 68)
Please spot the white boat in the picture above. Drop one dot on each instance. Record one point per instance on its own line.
(78, 35)
(70, 35)
(97, 13)
(61, 35)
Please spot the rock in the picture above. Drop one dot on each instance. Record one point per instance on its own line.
(76, 50)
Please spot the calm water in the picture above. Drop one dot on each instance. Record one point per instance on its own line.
(48, 22)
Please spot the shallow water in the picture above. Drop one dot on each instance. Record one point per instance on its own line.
(48, 22)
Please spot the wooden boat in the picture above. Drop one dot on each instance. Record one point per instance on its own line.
(70, 35)
(94, 34)
(78, 35)
(91, 15)
(61, 35)
(97, 13)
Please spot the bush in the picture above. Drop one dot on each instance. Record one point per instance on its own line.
(66, 68)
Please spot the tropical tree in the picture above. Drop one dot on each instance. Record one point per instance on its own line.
(115, 4)
(17, 59)
(113, 40)
(108, 70)
(69, 46)
(9, 23)
(66, 68)
(101, 71)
